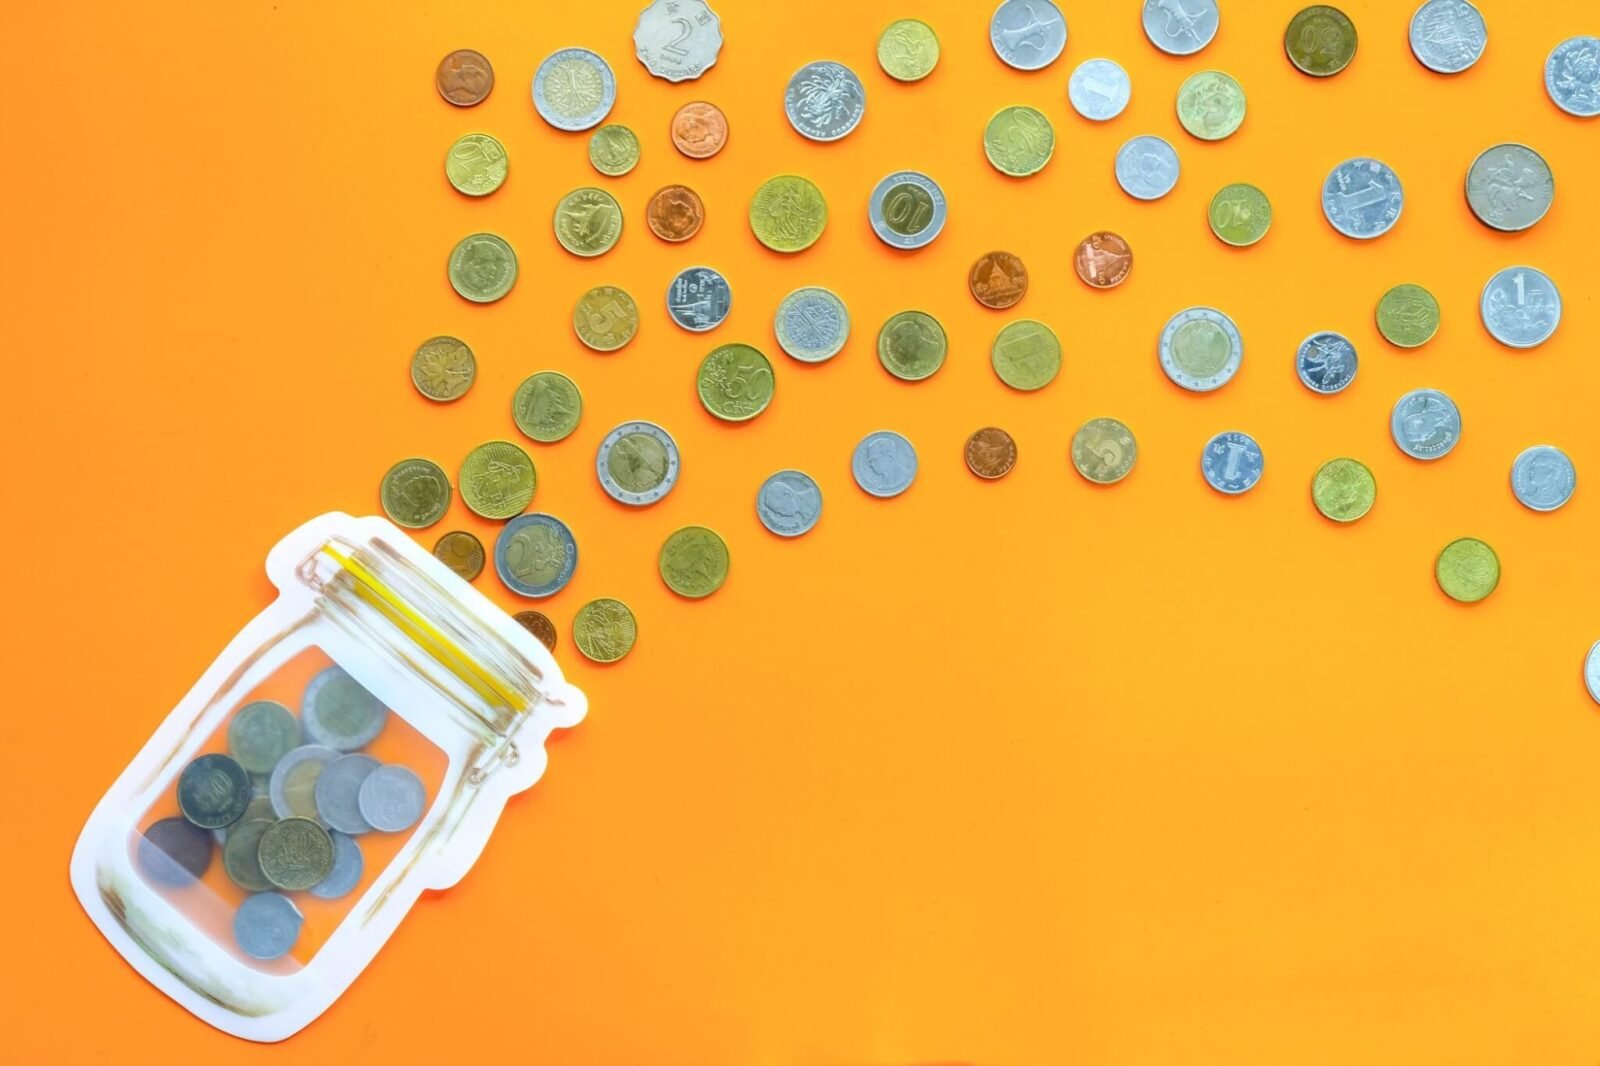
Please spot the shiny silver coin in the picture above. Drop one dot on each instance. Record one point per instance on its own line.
(699, 299)
(1200, 349)
(789, 503)
(291, 789)
(1426, 424)
(637, 463)
(1027, 34)
(1543, 478)
(339, 713)
(1180, 27)
(1232, 463)
(1326, 363)
(574, 89)
(907, 210)
(1099, 89)
(266, 925)
(347, 867)
(1572, 76)
(1510, 187)
(812, 325)
(1448, 36)
(338, 791)
(1362, 198)
(1591, 672)
(825, 101)
(392, 799)
(535, 555)
(1147, 168)
(677, 39)
(1521, 307)
(884, 464)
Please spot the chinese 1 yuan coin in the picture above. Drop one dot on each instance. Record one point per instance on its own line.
(1027, 34)
(1426, 424)
(825, 101)
(1572, 76)
(1521, 307)
(1232, 463)
(1147, 168)
(1543, 478)
(1200, 349)
(1362, 198)
(1448, 36)
(1180, 27)
(1326, 363)
(1099, 89)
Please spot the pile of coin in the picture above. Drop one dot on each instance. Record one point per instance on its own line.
(285, 806)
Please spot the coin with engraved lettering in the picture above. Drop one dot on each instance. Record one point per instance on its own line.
(998, 280)
(1448, 36)
(213, 791)
(588, 222)
(1510, 187)
(1543, 478)
(812, 324)
(884, 464)
(824, 101)
(1326, 362)
(1099, 89)
(677, 39)
(1026, 355)
(1147, 168)
(1240, 215)
(1320, 41)
(694, 562)
(574, 89)
(462, 553)
(613, 150)
(605, 318)
(912, 345)
(476, 164)
(174, 852)
(1027, 34)
(1591, 672)
(675, 213)
(1521, 307)
(266, 925)
(547, 407)
(1425, 424)
(991, 453)
(1232, 463)
(1362, 198)
(604, 630)
(260, 733)
(497, 480)
(338, 712)
(539, 624)
(347, 867)
(637, 463)
(735, 382)
(296, 853)
(443, 369)
(1104, 451)
(482, 268)
(1200, 349)
(788, 213)
(1572, 76)
(699, 299)
(535, 555)
(415, 493)
(241, 854)
(699, 129)
(1467, 570)
(907, 210)
(1211, 105)
(1103, 260)
(789, 503)
(908, 50)
(1180, 27)
(392, 798)
(464, 77)
(1019, 141)
(293, 785)
(1408, 316)
(1344, 490)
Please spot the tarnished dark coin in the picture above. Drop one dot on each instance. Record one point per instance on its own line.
(462, 553)
(991, 453)
(464, 77)
(296, 853)
(213, 791)
(174, 852)
(241, 854)
(261, 733)
(998, 280)
(540, 626)
(338, 791)
(1321, 40)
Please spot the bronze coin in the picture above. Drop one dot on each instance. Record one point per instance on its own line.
(998, 280)
(462, 553)
(676, 213)
(539, 626)
(1103, 260)
(699, 130)
(991, 453)
(464, 77)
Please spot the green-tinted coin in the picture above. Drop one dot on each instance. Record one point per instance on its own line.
(1467, 570)
(295, 853)
(1026, 355)
(912, 345)
(1408, 316)
(788, 213)
(260, 807)
(415, 493)
(908, 50)
(1019, 141)
(1239, 215)
(588, 222)
(241, 854)
(694, 562)
(497, 480)
(613, 150)
(1210, 105)
(476, 164)
(1344, 490)
(604, 630)
(1321, 41)
(483, 268)
(443, 369)
(213, 791)
(261, 733)
(735, 382)
(547, 406)
(462, 552)
(606, 318)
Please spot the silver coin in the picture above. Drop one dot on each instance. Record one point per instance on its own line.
(907, 210)
(1362, 198)
(535, 555)
(1326, 363)
(1426, 424)
(825, 101)
(347, 867)
(1591, 672)
(1521, 307)
(1510, 187)
(789, 503)
(1099, 89)
(338, 789)
(1448, 36)
(1200, 349)
(812, 325)
(677, 39)
(266, 925)
(1572, 76)
(392, 799)
(1543, 478)
(699, 299)
(1180, 27)
(637, 463)
(1147, 168)
(574, 89)
(339, 713)
(884, 464)
(1027, 34)
(1232, 463)
(278, 784)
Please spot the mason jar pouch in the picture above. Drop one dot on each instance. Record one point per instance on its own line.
(351, 747)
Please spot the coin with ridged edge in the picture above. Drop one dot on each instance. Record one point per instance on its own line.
(213, 791)
(1543, 478)
(735, 382)
(604, 630)
(1104, 451)
(296, 853)
(788, 213)
(498, 480)
(1467, 570)
(392, 798)
(483, 268)
(694, 562)
(1027, 34)
(1344, 490)
(535, 555)
(912, 345)
(539, 624)
(825, 101)
(293, 785)
(1019, 141)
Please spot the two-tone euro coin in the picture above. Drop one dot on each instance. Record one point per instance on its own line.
(812, 324)
(637, 463)
(574, 89)
(535, 555)
(1200, 349)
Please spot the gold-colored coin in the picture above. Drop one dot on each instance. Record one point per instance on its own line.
(547, 407)
(415, 493)
(443, 368)
(613, 150)
(1344, 490)
(788, 213)
(476, 164)
(462, 553)
(1467, 570)
(604, 630)
(1104, 451)
(498, 480)
(588, 222)
(694, 562)
(606, 318)
(908, 50)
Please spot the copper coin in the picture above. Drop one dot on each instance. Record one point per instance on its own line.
(676, 213)
(991, 453)
(699, 130)
(464, 77)
(539, 626)
(1103, 260)
(998, 280)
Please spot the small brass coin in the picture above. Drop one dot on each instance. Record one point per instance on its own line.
(1211, 105)
(694, 562)
(604, 630)
(415, 493)
(547, 407)
(1239, 215)
(213, 791)
(788, 213)
(908, 50)
(261, 733)
(295, 853)
(462, 553)
(613, 150)
(1408, 316)
(539, 625)
(588, 222)
(443, 369)
(1467, 570)
(1026, 355)
(1344, 490)
(498, 480)
(1104, 451)
(1019, 141)
(606, 318)
(483, 268)
(735, 382)
(1320, 41)
(241, 854)
(912, 345)
(476, 164)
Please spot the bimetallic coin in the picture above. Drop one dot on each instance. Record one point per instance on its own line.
(1180, 27)
(1200, 349)
(1344, 490)
(605, 318)
(483, 268)
(824, 101)
(1026, 355)
(241, 854)
(213, 791)
(443, 369)
(699, 130)
(1326, 363)
(1320, 41)
(1467, 570)
(535, 555)
(912, 345)
(677, 39)
(1591, 672)
(1362, 198)
(266, 926)
(998, 280)
(1147, 168)
(547, 407)
(296, 853)
(1239, 215)
(574, 89)
(812, 325)
(1019, 141)
(788, 213)
(613, 150)
(415, 493)
(1232, 463)
(908, 50)
(699, 299)
(1448, 36)
(1408, 316)
(1104, 451)
(476, 164)
(604, 630)
(735, 382)
(1510, 187)
(1543, 478)
(338, 712)
(676, 213)
(498, 480)
(462, 553)
(174, 852)
(292, 788)
(1027, 34)
(464, 77)
(543, 630)
(789, 503)
(1103, 260)
(1211, 105)
(1521, 307)
(907, 210)
(1099, 89)
(588, 222)
(392, 799)
(991, 453)
(694, 562)
(884, 464)
(347, 868)
(637, 463)
(1426, 424)
(1572, 76)
(260, 733)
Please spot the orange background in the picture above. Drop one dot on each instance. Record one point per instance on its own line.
(993, 773)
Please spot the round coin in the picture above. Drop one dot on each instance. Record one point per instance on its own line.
(1521, 307)
(174, 852)
(605, 318)
(1320, 41)
(292, 788)
(991, 453)
(1104, 451)
(1344, 490)
(266, 926)
(788, 213)
(213, 791)
(1467, 570)
(588, 222)
(699, 130)
(1180, 28)
(1200, 349)
(604, 630)
(1591, 672)
(735, 382)
(295, 854)
(1239, 215)
(912, 345)
(694, 562)
(546, 408)
(884, 464)
(1210, 105)
(347, 868)
(241, 854)
(497, 480)
(260, 733)
(824, 101)
(1026, 355)
(613, 150)
(1543, 478)
(1019, 141)
(464, 77)
(1326, 363)
(1510, 187)
(392, 799)
(338, 712)
(675, 213)
(1099, 89)
(535, 555)
(574, 89)
(998, 280)
(415, 493)
(1408, 316)
(677, 39)
(1362, 198)
(476, 164)
(1147, 168)
(1027, 34)
(543, 630)
(1425, 424)
(1448, 36)
(1572, 76)
(1103, 260)
(637, 463)
(1232, 463)
(812, 325)
(908, 50)
(443, 368)
(789, 503)
(483, 268)
(907, 210)
(699, 299)
(462, 553)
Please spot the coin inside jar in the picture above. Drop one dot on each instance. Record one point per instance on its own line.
(1103, 260)
(676, 213)
(998, 280)
(699, 130)
(991, 453)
